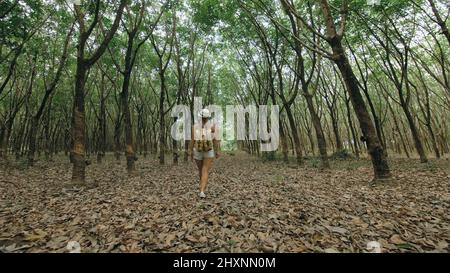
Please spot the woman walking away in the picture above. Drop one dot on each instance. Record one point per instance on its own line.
(204, 147)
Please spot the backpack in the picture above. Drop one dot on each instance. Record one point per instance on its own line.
(203, 145)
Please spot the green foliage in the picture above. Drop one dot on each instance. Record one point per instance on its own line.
(315, 162)
(230, 39)
(269, 156)
(21, 19)
(342, 155)
(208, 13)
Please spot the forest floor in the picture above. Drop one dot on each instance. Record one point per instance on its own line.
(251, 206)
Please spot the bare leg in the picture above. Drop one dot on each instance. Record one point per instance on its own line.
(199, 165)
(207, 163)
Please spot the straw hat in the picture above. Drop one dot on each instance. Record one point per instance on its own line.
(204, 113)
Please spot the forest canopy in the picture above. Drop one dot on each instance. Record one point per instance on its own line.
(91, 77)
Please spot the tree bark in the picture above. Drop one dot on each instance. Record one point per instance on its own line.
(102, 124)
(415, 133)
(83, 64)
(79, 126)
(295, 136)
(129, 146)
(284, 146)
(162, 124)
(375, 149)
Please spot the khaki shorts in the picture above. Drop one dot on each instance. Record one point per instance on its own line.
(202, 155)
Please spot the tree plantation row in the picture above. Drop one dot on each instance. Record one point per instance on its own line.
(103, 76)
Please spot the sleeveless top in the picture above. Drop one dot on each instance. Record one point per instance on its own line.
(203, 138)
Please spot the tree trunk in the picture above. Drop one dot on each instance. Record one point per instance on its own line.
(102, 123)
(32, 140)
(375, 149)
(162, 125)
(414, 132)
(337, 136)
(352, 129)
(117, 133)
(175, 148)
(78, 150)
(47, 135)
(129, 150)
(439, 20)
(186, 147)
(79, 126)
(297, 145)
(284, 146)
(21, 135)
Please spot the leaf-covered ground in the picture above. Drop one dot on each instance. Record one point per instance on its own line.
(251, 206)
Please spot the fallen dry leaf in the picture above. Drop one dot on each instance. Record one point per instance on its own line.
(246, 208)
(396, 239)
